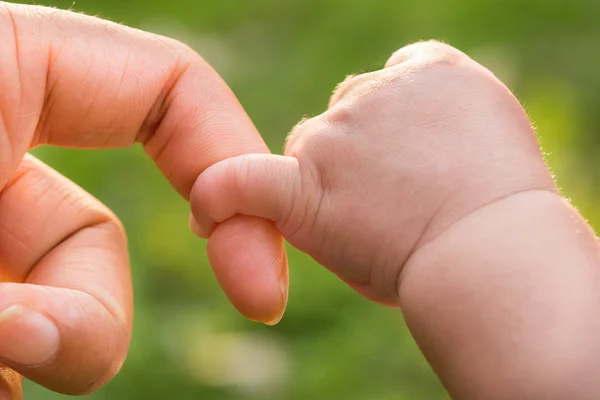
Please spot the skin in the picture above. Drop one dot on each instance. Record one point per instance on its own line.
(423, 187)
(75, 81)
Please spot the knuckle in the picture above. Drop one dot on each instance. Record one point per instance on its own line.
(92, 211)
(345, 115)
(111, 224)
(437, 75)
(430, 63)
(185, 63)
(369, 90)
(435, 47)
(179, 47)
(308, 132)
(185, 55)
(431, 51)
(355, 86)
(365, 100)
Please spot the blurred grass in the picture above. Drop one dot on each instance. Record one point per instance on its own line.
(282, 59)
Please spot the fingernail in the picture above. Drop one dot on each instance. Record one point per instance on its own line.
(27, 337)
(283, 286)
(275, 321)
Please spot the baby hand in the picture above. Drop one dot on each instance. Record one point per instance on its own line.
(401, 154)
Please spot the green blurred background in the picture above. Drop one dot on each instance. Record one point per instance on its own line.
(283, 58)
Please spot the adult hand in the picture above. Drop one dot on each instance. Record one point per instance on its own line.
(75, 81)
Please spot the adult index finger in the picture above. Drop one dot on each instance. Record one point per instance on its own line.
(76, 81)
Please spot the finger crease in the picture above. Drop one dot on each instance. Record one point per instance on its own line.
(162, 104)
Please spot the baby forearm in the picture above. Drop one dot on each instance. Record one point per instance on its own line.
(504, 303)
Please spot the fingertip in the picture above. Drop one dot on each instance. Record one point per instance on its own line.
(63, 339)
(248, 257)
